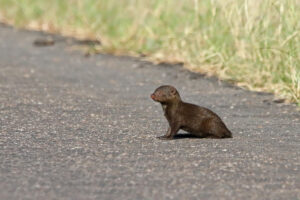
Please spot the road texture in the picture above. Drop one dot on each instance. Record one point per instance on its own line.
(75, 127)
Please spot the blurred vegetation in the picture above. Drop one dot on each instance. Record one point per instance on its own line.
(253, 43)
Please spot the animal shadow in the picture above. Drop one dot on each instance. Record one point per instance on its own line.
(185, 136)
(191, 136)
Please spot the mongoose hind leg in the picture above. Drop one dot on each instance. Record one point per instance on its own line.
(218, 129)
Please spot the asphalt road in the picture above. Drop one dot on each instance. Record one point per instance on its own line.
(75, 127)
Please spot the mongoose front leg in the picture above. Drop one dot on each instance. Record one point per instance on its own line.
(170, 133)
(166, 136)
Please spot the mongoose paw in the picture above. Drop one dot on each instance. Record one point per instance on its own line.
(163, 137)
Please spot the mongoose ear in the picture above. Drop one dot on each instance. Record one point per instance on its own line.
(173, 91)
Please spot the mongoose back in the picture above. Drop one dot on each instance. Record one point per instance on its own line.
(194, 119)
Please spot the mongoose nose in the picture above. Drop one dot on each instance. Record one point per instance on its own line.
(152, 96)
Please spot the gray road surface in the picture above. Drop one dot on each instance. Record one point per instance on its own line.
(73, 128)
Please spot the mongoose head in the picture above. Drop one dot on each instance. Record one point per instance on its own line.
(165, 94)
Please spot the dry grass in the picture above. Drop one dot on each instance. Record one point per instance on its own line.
(255, 44)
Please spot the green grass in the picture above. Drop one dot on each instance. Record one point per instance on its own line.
(253, 43)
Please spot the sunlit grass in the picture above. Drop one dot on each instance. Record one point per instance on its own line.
(253, 43)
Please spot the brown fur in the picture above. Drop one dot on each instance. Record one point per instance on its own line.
(194, 119)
